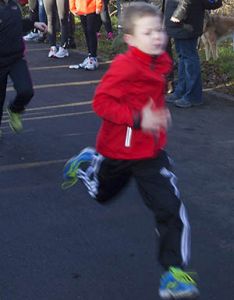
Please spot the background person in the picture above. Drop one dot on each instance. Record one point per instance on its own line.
(184, 23)
(12, 61)
(89, 11)
(104, 18)
(60, 9)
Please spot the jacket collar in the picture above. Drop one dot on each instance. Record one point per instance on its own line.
(147, 58)
(163, 61)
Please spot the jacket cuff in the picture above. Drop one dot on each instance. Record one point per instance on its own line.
(137, 120)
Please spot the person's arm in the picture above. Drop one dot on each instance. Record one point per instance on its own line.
(29, 25)
(99, 6)
(72, 7)
(111, 99)
(181, 11)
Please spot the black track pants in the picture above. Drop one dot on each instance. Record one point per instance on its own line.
(89, 25)
(20, 76)
(156, 182)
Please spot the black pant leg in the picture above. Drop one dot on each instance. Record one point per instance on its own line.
(20, 76)
(71, 25)
(83, 20)
(157, 185)
(92, 20)
(113, 176)
(105, 178)
(105, 17)
(3, 86)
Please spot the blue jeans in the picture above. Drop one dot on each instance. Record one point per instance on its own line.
(42, 12)
(189, 86)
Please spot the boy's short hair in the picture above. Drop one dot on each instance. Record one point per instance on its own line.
(135, 11)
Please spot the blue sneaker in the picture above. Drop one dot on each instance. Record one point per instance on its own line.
(73, 165)
(176, 284)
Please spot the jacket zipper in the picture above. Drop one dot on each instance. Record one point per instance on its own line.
(128, 137)
(153, 62)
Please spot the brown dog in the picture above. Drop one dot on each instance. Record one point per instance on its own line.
(215, 28)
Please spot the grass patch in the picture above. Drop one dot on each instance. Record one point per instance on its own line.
(219, 74)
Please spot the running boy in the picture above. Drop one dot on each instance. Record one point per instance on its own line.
(131, 141)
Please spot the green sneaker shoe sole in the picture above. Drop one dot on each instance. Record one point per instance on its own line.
(15, 121)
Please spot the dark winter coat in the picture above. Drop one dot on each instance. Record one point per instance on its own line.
(11, 31)
(189, 12)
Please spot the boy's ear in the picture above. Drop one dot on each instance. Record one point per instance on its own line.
(128, 39)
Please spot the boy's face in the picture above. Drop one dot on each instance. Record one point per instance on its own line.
(148, 35)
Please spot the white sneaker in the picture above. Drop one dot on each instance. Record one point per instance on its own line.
(53, 51)
(62, 52)
(31, 36)
(84, 63)
(92, 64)
(81, 65)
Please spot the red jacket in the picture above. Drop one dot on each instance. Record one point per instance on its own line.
(131, 80)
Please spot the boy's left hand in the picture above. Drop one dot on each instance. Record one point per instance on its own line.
(41, 26)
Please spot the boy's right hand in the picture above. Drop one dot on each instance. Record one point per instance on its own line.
(154, 119)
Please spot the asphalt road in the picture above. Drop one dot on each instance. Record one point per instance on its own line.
(61, 245)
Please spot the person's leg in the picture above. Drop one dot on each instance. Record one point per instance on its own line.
(83, 20)
(103, 177)
(20, 76)
(91, 34)
(42, 18)
(50, 8)
(71, 31)
(190, 73)
(42, 12)
(106, 20)
(157, 185)
(34, 16)
(92, 62)
(110, 177)
(180, 87)
(3, 85)
(63, 10)
(89, 24)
